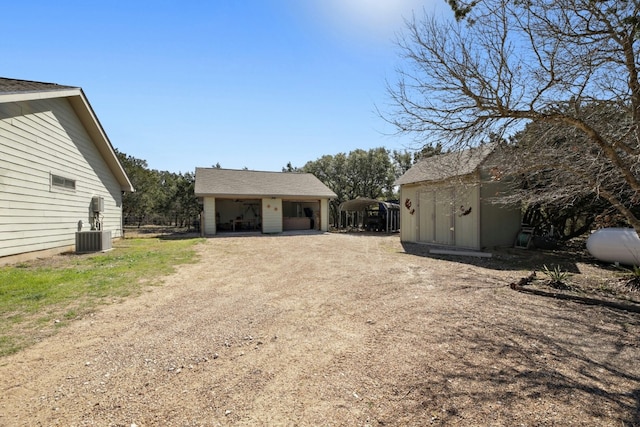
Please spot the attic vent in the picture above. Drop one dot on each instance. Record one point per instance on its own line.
(93, 241)
(62, 182)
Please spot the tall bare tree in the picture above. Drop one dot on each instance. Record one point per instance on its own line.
(569, 66)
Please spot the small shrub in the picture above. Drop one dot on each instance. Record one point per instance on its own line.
(632, 278)
(557, 277)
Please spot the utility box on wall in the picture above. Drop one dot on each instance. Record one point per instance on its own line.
(93, 241)
(97, 204)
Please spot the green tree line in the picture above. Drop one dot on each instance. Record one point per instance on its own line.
(360, 173)
(167, 198)
(160, 197)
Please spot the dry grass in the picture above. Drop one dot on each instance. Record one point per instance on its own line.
(337, 330)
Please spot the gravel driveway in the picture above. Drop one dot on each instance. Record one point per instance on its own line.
(330, 329)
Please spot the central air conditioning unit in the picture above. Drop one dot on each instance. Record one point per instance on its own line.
(93, 241)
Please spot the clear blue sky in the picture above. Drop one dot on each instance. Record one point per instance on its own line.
(249, 83)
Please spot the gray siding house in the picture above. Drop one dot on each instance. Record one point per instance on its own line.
(444, 200)
(55, 159)
(270, 202)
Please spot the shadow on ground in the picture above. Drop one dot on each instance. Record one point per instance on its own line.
(521, 369)
(508, 258)
(160, 232)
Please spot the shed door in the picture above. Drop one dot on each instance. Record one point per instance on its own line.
(436, 216)
(467, 233)
(444, 216)
(427, 216)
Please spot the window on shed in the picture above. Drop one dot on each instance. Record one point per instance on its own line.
(62, 182)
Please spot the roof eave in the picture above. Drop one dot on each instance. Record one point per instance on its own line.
(87, 116)
(35, 95)
(265, 196)
(85, 112)
(439, 181)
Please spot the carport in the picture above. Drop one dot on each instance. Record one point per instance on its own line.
(370, 215)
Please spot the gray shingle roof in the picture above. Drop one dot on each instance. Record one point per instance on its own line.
(445, 166)
(21, 86)
(230, 182)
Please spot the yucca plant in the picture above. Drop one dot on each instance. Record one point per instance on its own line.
(557, 277)
(632, 277)
(634, 272)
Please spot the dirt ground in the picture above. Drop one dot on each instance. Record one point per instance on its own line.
(333, 330)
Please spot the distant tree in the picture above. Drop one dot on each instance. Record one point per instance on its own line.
(166, 200)
(176, 202)
(360, 173)
(371, 174)
(290, 168)
(137, 205)
(188, 208)
(161, 197)
(402, 161)
(565, 65)
(428, 150)
(331, 170)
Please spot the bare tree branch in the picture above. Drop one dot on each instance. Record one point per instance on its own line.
(570, 64)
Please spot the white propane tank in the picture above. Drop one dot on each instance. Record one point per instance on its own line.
(621, 245)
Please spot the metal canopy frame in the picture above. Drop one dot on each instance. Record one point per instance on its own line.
(356, 211)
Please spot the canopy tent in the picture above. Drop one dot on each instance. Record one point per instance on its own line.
(370, 214)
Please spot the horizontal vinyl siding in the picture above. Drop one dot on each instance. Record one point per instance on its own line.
(272, 215)
(49, 139)
(408, 221)
(500, 224)
(209, 215)
(467, 217)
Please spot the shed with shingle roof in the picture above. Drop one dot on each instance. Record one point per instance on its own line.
(55, 158)
(445, 200)
(270, 202)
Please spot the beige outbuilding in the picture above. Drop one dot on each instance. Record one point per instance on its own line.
(269, 202)
(445, 200)
(59, 173)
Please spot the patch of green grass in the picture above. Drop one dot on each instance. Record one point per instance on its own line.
(8, 345)
(36, 297)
